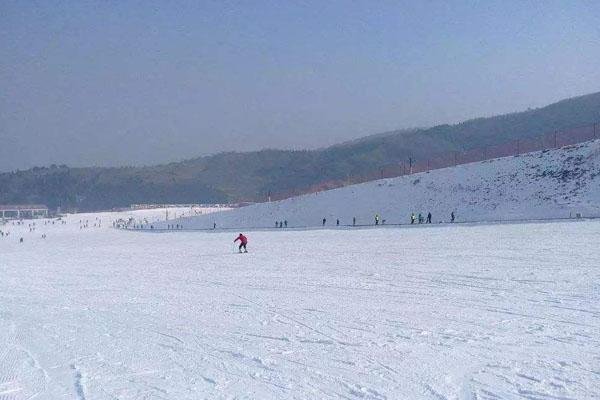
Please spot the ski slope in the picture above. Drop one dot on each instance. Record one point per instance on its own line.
(501, 311)
(551, 184)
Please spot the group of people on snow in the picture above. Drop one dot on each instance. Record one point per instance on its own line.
(420, 219)
(378, 220)
(32, 227)
(414, 218)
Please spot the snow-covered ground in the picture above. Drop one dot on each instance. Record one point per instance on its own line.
(505, 311)
(95, 220)
(151, 215)
(550, 184)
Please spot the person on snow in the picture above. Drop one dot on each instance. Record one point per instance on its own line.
(452, 216)
(429, 218)
(412, 218)
(420, 218)
(353, 221)
(324, 221)
(243, 242)
(376, 219)
(285, 223)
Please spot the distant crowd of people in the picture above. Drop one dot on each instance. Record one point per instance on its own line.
(414, 218)
(84, 224)
(419, 218)
(32, 226)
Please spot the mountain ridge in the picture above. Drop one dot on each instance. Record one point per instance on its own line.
(252, 176)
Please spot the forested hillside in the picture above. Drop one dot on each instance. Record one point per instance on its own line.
(232, 177)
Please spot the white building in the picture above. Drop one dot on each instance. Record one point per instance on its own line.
(18, 211)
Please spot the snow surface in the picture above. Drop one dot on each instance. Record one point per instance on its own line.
(550, 184)
(473, 311)
(152, 215)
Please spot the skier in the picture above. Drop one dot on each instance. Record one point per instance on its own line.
(243, 242)
(452, 216)
(285, 223)
(412, 218)
(337, 222)
(420, 218)
(353, 221)
(376, 219)
(324, 221)
(214, 225)
(429, 218)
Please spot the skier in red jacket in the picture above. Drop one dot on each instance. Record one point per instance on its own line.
(243, 242)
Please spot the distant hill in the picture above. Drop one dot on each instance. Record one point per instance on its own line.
(233, 176)
(559, 183)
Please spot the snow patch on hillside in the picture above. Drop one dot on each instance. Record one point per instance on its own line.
(546, 184)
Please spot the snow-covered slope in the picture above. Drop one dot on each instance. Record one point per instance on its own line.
(455, 312)
(549, 184)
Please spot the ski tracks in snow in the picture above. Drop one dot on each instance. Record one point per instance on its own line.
(455, 313)
(78, 382)
(21, 376)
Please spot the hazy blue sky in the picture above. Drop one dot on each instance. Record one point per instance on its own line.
(123, 82)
